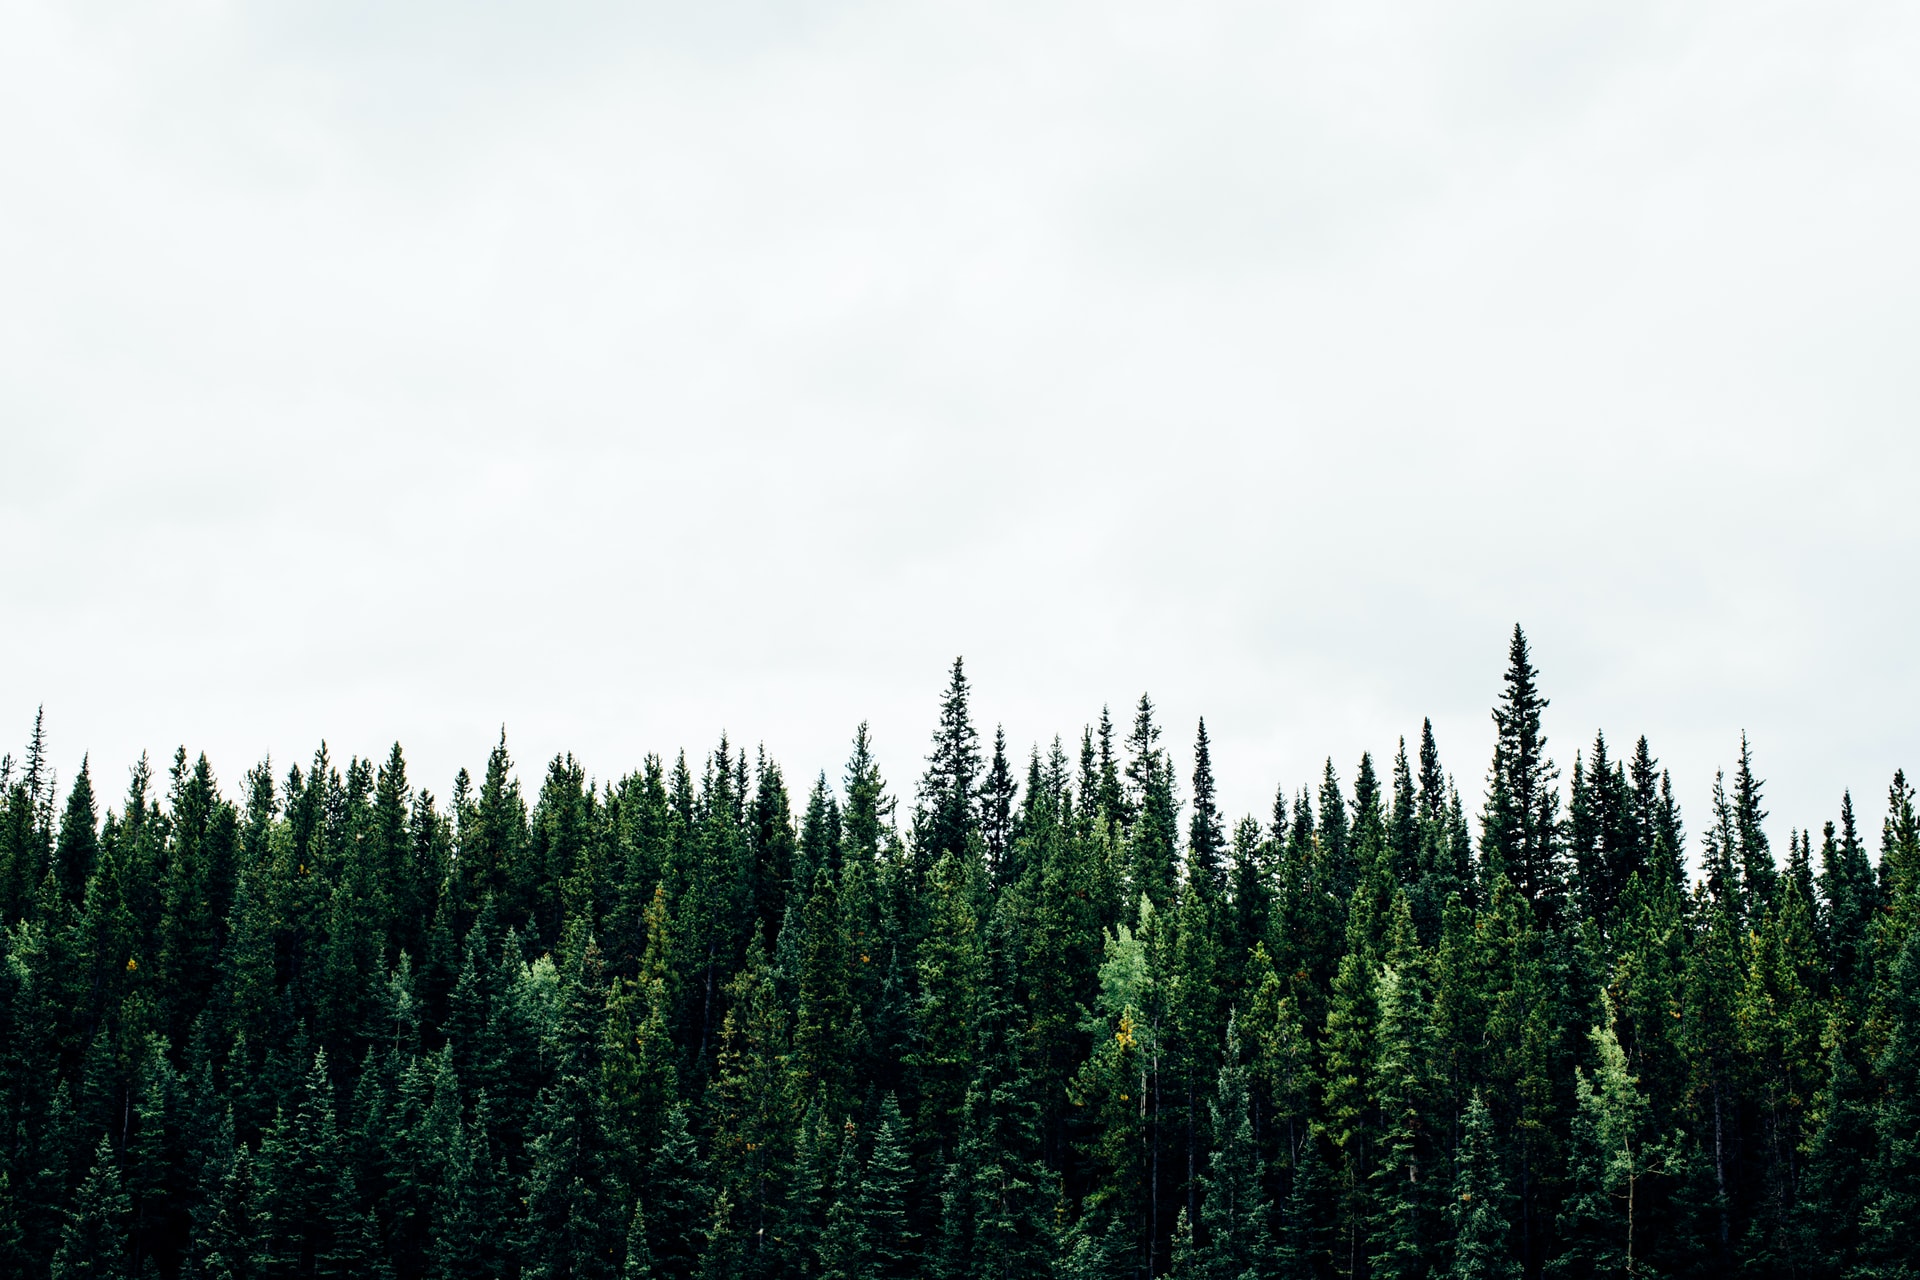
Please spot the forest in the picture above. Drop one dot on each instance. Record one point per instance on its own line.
(1057, 1017)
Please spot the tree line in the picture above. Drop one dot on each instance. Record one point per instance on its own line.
(1060, 1019)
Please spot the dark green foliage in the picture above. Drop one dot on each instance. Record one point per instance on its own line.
(1892, 1204)
(997, 1212)
(947, 818)
(873, 1235)
(680, 1203)
(665, 1028)
(307, 1214)
(575, 1217)
(1520, 825)
(94, 1244)
(1480, 1205)
(1306, 1244)
(1236, 1218)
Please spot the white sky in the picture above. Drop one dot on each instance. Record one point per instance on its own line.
(379, 371)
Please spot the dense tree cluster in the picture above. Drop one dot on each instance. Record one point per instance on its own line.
(1076, 1025)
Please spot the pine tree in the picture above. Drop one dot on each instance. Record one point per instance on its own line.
(841, 1249)
(823, 1033)
(1334, 833)
(1206, 837)
(997, 795)
(946, 817)
(1404, 1179)
(755, 1102)
(1235, 1215)
(1900, 850)
(681, 1201)
(1308, 1243)
(1758, 874)
(94, 1243)
(1893, 1203)
(1348, 1111)
(1151, 837)
(999, 1200)
(79, 843)
(772, 847)
(1520, 823)
(473, 1219)
(636, 1259)
(1110, 1097)
(1661, 841)
(224, 1250)
(868, 810)
(1602, 832)
(950, 976)
(305, 1200)
(575, 1206)
(1612, 1156)
(1839, 1157)
(1481, 1227)
(887, 1248)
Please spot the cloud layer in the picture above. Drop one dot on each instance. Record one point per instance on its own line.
(625, 375)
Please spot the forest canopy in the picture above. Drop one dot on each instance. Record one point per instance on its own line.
(1055, 1017)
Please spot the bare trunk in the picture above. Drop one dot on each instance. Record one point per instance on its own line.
(1720, 1168)
(1153, 1169)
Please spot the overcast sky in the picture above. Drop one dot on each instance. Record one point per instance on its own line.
(629, 372)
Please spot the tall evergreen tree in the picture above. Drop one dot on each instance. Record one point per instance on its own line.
(1480, 1203)
(1520, 825)
(997, 794)
(94, 1243)
(1236, 1215)
(680, 1216)
(576, 1210)
(1404, 1230)
(1612, 1156)
(999, 1200)
(307, 1205)
(887, 1246)
(1206, 837)
(946, 816)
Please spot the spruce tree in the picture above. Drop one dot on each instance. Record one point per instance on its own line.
(1893, 1201)
(841, 1248)
(1206, 836)
(224, 1250)
(1403, 1228)
(949, 980)
(1612, 1156)
(887, 1248)
(946, 816)
(309, 1221)
(1307, 1239)
(474, 1219)
(680, 1200)
(636, 1260)
(997, 794)
(94, 1244)
(1520, 822)
(1758, 874)
(1480, 1206)
(79, 843)
(772, 847)
(1235, 1216)
(575, 1216)
(823, 1033)
(755, 1101)
(1000, 1200)
(1151, 838)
